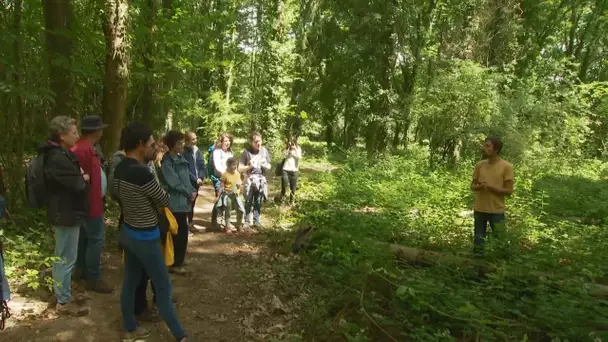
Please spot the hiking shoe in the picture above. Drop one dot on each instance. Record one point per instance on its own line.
(139, 333)
(100, 286)
(71, 308)
(149, 315)
(178, 270)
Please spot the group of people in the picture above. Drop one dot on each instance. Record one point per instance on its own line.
(153, 182)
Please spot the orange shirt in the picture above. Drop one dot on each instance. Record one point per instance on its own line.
(495, 175)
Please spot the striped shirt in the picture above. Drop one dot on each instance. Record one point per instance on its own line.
(139, 194)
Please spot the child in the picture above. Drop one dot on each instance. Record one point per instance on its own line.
(229, 195)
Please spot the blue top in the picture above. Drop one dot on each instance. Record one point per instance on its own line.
(142, 235)
(176, 174)
(196, 163)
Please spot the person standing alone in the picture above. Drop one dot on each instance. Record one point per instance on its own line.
(492, 182)
(196, 164)
(92, 232)
(291, 170)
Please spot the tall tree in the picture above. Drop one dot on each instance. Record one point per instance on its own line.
(116, 78)
(58, 25)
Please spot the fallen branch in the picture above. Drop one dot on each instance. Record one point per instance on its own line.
(421, 256)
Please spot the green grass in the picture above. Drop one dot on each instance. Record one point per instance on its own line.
(555, 245)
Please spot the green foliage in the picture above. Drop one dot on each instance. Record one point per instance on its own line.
(28, 249)
(536, 289)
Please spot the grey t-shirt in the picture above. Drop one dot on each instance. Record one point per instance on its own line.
(260, 160)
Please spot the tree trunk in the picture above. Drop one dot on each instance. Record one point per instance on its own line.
(17, 79)
(114, 102)
(148, 91)
(58, 26)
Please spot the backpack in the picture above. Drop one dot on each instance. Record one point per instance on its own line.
(117, 157)
(210, 167)
(35, 188)
(279, 168)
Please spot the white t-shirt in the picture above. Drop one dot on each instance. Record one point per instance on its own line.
(220, 157)
(292, 159)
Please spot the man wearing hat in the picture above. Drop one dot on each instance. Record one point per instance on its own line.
(91, 239)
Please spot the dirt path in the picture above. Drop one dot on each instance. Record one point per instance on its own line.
(228, 295)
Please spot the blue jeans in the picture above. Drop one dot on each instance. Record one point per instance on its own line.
(216, 187)
(140, 256)
(89, 248)
(496, 222)
(254, 200)
(66, 249)
(5, 291)
(2, 206)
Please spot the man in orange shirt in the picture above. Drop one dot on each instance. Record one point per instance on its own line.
(492, 182)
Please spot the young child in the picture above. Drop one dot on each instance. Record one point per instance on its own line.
(229, 195)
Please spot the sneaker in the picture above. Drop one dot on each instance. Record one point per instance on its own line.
(178, 270)
(139, 333)
(193, 229)
(149, 315)
(72, 308)
(100, 286)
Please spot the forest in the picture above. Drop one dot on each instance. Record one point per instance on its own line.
(390, 100)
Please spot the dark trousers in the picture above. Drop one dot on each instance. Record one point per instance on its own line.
(180, 241)
(482, 220)
(191, 213)
(141, 300)
(289, 178)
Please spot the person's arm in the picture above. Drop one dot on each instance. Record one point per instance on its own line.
(85, 158)
(298, 153)
(67, 174)
(266, 166)
(244, 163)
(154, 191)
(200, 164)
(172, 180)
(507, 184)
(475, 185)
(189, 156)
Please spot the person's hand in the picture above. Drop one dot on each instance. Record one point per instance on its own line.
(86, 177)
(483, 185)
(199, 182)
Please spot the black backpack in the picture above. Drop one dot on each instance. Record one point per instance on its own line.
(35, 188)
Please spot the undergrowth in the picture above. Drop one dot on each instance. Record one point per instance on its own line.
(536, 287)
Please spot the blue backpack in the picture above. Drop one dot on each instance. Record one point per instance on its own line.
(210, 167)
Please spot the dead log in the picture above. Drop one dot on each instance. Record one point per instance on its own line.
(419, 256)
